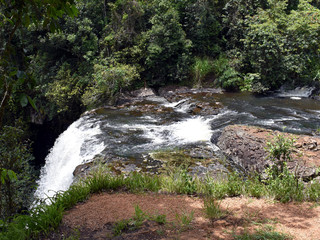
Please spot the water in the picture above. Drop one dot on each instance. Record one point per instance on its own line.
(295, 116)
(73, 147)
(132, 133)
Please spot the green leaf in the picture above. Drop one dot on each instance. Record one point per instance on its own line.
(23, 100)
(12, 175)
(3, 174)
(74, 10)
(32, 103)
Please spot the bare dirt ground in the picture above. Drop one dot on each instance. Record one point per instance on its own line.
(95, 218)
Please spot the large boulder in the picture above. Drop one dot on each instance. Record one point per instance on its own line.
(246, 147)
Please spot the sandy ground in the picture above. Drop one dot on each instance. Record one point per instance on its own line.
(95, 218)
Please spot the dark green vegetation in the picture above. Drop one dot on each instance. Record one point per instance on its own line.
(59, 57)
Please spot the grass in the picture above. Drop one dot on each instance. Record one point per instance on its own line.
(213, 210)
(43, 219)
(184, 220)
(136, 221)
(266, 233)
(201, 68)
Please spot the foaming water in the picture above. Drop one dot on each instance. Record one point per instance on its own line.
(190, 130)
(73, 147)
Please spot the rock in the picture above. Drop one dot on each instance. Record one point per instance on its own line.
(142, 92)
(246, 147)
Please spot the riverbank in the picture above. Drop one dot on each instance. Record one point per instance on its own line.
(44, 220)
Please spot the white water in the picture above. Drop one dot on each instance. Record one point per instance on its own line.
(190, 130)
(298, 93)
(73, 147)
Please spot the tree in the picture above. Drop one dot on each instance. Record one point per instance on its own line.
(167, 49)
(283, 47)
(202, 27)
(109, 79)
(16, 174)
(16, 15)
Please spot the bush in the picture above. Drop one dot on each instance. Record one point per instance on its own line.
(282, 184)
(227, 76)
(285, 187)
(280, 151)
(108, 81)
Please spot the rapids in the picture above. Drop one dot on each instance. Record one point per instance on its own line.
(129, 132)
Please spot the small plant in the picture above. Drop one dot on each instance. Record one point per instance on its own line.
(254, 187)
(137, 182)
(139, 216)
(285, 187)
(120, 227)
(282, 184)
(184, 220)
(212, 209)
(159, 218)
(234, 184)
(74, 236)
(313, 191)
(280, 151)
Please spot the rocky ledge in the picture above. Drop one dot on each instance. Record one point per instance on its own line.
(246, 147)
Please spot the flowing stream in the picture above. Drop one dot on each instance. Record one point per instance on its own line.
(128, 132)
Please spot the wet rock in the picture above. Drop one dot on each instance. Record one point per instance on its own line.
(246, 147)
(129, 98)
(82, 171)
(200, 160)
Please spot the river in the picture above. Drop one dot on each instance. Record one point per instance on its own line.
(133, 131)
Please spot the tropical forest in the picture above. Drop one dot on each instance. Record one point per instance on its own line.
(159, 119)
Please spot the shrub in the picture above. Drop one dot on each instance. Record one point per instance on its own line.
(17, 181)
(108, 80)
(280, 151)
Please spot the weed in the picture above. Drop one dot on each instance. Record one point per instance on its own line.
(313, 191)
(201, 69)
(254, 187)
(139, 216)
(212, 209)
(234, 184)
(159, 218)
(74, 236)
(184, 220)
(120, 227)
(137, 182)
(285, 187)
(179, 181)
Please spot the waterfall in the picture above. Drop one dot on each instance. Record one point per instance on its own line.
(73, 147)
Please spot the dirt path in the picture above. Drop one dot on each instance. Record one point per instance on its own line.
(95, 219)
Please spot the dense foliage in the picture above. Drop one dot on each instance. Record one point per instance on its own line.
(59, 57)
